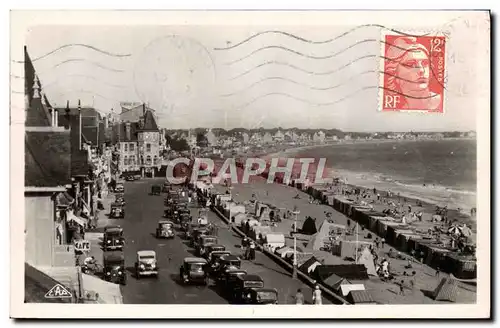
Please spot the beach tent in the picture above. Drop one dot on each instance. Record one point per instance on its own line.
(283, 251)
(366, 259)
(455, 230)
(309, 265)
(465, 231)
(235, 208)
(348, 248)
(327, 231)
(239, 217)
(360, 297)
(346, 288)
(274, 240)
(446, 290)
(334, 282)
(309, 227)
(348, 271)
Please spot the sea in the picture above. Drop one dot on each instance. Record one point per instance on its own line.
(442, 172)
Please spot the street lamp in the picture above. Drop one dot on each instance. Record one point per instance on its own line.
(294, 272)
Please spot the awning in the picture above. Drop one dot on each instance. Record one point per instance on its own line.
(109, 293)
(72, 217)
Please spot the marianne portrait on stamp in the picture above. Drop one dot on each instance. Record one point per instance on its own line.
(409, 74)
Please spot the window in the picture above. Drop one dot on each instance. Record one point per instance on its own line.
(125, 160)
(148, 160)
(131, 160)
(148, 147)
(125, 147)
(131, 147)
(155, 160)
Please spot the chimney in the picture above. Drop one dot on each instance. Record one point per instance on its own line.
(36, 87)
(127, 130)
(80, 124)
(68, 117)
(52, 114)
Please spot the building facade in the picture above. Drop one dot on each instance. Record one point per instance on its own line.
(139, 145)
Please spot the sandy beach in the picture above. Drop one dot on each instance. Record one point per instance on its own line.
(287, 197)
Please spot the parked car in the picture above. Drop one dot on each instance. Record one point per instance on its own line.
(242, 285)
(120, 187)
(194, 270)
(203, 242)
(145, 264)
(260, 296)
(116, 211)
(114, 267)
(113, 239)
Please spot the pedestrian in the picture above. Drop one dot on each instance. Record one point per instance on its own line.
(401, 288)
(383, 242)
(252, 251)
(317, 300)
(437, 272)
(299, 297)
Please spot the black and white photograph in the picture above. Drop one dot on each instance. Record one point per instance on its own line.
(227, 160)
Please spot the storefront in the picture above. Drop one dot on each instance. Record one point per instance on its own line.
(75, 227)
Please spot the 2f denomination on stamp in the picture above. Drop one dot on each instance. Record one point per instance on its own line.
(412, 73)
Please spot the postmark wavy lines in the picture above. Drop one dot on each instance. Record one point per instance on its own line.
(323, 104)
(70, 45)
(291, 35)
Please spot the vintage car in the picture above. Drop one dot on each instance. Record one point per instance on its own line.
(242, 285)
(194, 270)
(227, 263)
(227, 278)
(114, 267)
(213, 248)
(113, 238)
(156, 190)
(120, 200)
(260, 296)
(165, 229)
(203, 242)
(129, 178)
(185, 221)
(120, 188)
(214, 257)
(146, 264)
(116, 211)
(195, 233)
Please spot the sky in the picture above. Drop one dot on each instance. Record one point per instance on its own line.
(269, 81)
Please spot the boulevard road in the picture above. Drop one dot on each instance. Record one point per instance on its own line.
(142, 213)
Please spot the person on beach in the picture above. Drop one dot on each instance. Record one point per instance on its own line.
(378, 196)
(299, 297)
(317, 299)
(383, 242)
(401, 288)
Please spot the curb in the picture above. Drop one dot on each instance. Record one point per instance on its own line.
(334, 297)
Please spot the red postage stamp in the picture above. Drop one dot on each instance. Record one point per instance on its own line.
(413, 73)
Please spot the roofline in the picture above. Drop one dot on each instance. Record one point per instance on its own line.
(46, 189)
(46, 129)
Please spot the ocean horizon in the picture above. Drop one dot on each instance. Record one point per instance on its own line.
(442, 172)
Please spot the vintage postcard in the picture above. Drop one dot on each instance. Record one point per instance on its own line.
(202, 164)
